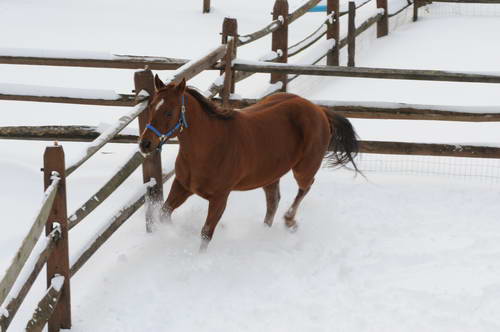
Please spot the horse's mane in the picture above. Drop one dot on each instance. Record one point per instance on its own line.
(209, 106)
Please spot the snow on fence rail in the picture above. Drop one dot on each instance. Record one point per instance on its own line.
(30, 239)
(106, 136)
(46, 306)
(26, 280)
(20, 92)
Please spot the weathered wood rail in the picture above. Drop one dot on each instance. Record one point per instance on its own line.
(115, 61)
(123, 100)
(47, 305)
(397, 111)
(429, 149)
(30, 239)
(13, 304)
(60, 133)
(361, 72)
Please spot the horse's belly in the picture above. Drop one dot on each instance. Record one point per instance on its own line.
(265, 171)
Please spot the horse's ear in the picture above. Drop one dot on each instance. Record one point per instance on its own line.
(158, 83)
(181, 86)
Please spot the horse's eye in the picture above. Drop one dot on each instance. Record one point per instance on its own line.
(168, 113)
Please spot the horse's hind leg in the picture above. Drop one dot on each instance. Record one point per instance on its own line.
(290, 221)
(304, 175)
(177, 196)
(272, 199)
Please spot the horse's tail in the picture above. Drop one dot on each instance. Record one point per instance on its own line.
(344, 145)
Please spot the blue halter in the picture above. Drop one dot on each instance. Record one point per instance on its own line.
(182, 123)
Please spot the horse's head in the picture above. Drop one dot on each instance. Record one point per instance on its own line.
(167, 119)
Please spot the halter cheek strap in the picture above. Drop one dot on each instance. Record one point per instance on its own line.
(182, 123)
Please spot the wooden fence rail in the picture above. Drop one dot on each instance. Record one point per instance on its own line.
(30, 239)
(110, 227)
(107, 189)
(107, 135)
(114, 61)
(124, 100)
(397, 111)
(429, 149)
(17, 298)
(60, 133)
(276, 24)
(361, 72)
(47, 305)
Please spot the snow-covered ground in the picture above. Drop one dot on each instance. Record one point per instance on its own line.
(406, 253)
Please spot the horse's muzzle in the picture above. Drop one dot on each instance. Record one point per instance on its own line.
(145, 146)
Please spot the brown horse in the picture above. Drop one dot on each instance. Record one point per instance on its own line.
(225, 150)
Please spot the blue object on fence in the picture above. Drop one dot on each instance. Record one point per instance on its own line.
(318, 9)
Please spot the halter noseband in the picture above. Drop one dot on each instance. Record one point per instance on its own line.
(182, 123)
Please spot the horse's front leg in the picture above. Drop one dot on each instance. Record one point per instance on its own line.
(216, 207)
(177, 196)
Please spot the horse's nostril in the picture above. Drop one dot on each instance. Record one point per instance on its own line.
(145, 144)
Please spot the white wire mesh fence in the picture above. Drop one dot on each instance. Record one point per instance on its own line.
(455, 168)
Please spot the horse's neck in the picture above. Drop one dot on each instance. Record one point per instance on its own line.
(204, 132)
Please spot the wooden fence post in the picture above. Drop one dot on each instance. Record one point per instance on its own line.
(333, 31)
(383, 23)
(230, 29)
(280, 39)
(415, 10)
(229, 73)
(58, 261)
(151, 168)
(206, 6)
(351, 34)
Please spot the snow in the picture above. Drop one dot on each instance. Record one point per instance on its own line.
(396, 252)
(57, 282)
(60, 54)
(271, 56)
(397, 5)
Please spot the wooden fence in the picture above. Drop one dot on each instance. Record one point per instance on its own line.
(281, 73)
(54, 308)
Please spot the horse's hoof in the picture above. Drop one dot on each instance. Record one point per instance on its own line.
(291, 224)
(293, 228)
(204, 246)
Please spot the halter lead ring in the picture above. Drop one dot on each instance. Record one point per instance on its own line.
(182, 123)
